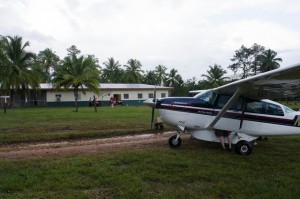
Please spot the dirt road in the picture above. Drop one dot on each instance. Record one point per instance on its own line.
(85, 146)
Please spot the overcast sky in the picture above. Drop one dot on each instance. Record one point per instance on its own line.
(188, 35)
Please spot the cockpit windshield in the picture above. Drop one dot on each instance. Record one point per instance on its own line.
(288, 110)
(208, 96)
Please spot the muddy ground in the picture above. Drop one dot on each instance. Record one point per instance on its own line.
(17, 151)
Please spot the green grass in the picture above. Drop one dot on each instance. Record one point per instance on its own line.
(49, 124)
(195, 170)
(291, 104)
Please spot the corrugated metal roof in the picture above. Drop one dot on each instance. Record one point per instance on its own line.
(48, 86)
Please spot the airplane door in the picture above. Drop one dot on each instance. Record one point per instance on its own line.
(232, 120)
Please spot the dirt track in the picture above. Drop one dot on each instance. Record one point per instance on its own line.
(85, 146)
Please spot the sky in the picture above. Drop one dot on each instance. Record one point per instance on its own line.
(187, 35)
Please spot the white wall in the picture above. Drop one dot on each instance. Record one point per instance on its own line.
(104, 95)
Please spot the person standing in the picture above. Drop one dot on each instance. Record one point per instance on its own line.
(222, 134)
(112, 101)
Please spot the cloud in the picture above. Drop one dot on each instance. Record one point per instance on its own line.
(187, 35)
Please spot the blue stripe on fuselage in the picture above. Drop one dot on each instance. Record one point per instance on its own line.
(231, 115)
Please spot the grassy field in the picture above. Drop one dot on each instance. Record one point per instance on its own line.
(49, 124)
(195, 170)
(292, 104)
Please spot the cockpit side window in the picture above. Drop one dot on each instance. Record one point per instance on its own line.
(273, 109)
(288, 110)
(255, 106)
(209, 97)
(223, 99)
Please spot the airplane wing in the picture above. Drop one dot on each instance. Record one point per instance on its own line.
(277, 83)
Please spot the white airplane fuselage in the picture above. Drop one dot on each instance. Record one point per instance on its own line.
(190, 115)
(198, 121)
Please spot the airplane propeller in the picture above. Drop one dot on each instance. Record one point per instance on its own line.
(153, 108)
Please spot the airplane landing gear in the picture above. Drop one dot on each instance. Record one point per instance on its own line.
(243, 148)
(175, 140)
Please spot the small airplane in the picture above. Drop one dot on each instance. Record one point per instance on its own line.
(240, 107)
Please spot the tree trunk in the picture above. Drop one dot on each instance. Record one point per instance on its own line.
(76, 97)
(95, 104)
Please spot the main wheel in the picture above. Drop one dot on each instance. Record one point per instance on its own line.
(243, 148)
(173, 142)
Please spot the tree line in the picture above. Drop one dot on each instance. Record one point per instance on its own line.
(21, 69)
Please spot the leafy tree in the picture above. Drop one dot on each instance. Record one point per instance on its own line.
(161, 74)
(72, 50)
(269, 61)
(77, 73)
(215, 76)
(112, 72)
(19, 74)
(246, 60)
(48, 61)
(133, 71)
(187, 86)
(256, 51)
(149, 78)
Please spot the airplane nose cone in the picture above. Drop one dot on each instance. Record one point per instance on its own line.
(149, 102)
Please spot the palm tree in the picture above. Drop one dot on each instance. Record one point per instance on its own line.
(160, 72)
(269, 61)
(215, 76)
(20, 75)
(173, 78)
(77, 73)
(133, 71)
(111, 72)
(48, 60)
(3, 67)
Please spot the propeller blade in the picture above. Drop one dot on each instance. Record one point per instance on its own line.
(154, 95)
(152, 117)
(154, 100)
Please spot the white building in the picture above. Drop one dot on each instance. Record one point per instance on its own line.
(125, 94)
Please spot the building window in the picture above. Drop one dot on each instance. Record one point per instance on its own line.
(126, 96)
(163, 95)
(58, 97)
(150, 95)
(140, 96)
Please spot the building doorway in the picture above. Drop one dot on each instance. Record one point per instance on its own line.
(118, 99)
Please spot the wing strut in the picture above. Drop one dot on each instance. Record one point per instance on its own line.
(232, 100)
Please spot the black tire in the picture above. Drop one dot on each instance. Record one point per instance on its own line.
(243, 148)
(161, 127)
(173, 142)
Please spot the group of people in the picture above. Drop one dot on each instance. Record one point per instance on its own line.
(112, 101)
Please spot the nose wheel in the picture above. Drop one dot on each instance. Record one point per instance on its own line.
(175, 141)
